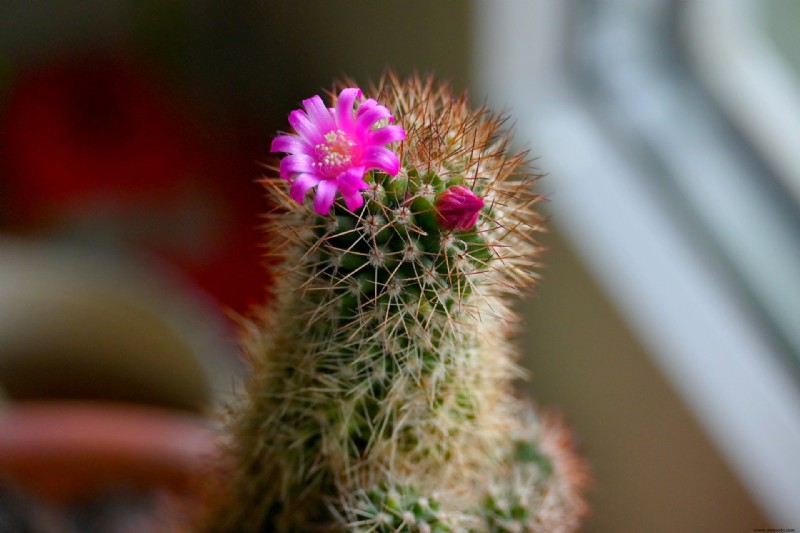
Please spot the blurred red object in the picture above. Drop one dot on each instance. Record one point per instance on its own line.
(69, 451)
(89, 130)
(97, 147)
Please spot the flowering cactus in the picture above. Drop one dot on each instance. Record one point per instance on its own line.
(381, 393)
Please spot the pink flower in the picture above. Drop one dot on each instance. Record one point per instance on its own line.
(333, 149)
(458, 208)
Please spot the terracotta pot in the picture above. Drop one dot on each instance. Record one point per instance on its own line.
(65, 452)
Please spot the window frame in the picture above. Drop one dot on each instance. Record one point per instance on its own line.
(651, 218)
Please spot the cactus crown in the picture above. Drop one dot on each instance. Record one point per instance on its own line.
(380, 398)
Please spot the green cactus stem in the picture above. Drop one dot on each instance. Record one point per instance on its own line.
(381, 393)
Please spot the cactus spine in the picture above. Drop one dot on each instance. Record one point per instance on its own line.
(381, 391)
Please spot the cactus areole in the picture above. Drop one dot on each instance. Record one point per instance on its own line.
(380, 397)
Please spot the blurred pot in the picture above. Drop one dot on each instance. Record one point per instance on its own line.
(76, 324)
(92, 467)
(69, 451)
(108, 364)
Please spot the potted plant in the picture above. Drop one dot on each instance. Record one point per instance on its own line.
(380, 396)
(108, 373)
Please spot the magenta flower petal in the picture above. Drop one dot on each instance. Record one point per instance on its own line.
(333, 148)
(365, 106)
(319, 114)
(300, 186)
(388, 134)
(382, 159)
(372, 116)
(458, 208)
(296, 163)
(326, 193)
(353, 179)
(304, 127)
(344, 108)
(291, 144)
(352, 199)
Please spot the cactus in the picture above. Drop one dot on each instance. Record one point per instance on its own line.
(381, 396)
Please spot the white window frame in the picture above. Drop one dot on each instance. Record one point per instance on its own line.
(683, 298)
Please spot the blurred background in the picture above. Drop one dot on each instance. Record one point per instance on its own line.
(667, 324)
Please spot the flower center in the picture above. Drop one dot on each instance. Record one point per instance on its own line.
(335, 155)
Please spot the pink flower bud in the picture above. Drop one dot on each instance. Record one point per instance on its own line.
(458, 208)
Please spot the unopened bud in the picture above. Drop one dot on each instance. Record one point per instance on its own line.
(458, 208)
